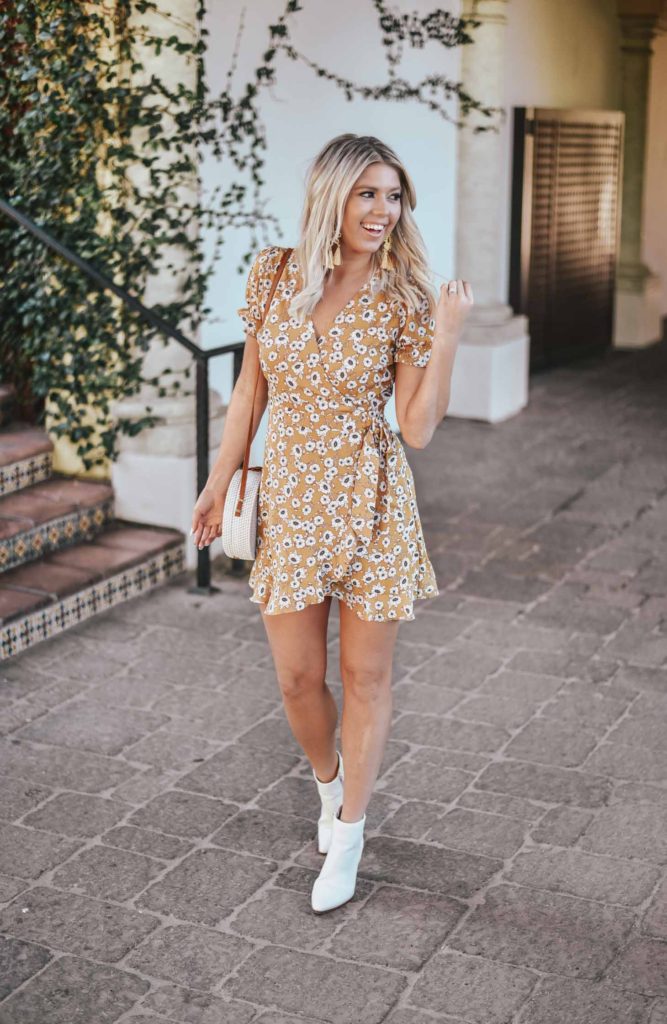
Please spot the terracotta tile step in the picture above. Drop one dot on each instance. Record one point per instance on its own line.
(21, 441)
(26, 457)
(53, 577)
(47, 517)
(51, 499)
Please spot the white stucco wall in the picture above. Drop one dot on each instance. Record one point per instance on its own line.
(655, 196)
(302, 112)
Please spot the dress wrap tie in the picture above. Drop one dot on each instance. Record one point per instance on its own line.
(370, 477)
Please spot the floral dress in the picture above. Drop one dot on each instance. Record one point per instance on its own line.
(337, 512)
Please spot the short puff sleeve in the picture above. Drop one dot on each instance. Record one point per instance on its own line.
(413, 345)
(258, 286)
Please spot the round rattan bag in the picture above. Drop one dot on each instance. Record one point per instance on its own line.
(239, 531)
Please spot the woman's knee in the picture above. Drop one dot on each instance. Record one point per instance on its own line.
(365, 682)
(297, 682)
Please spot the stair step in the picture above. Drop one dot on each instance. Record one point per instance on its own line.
(43, 598)
(26, 457)
(50, 516)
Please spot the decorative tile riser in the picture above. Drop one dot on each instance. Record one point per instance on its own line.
(55, 535)
(30, 629)
(18, 475)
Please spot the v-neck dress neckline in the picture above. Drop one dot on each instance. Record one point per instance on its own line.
(319, 338)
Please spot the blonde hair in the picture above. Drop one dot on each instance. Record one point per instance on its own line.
(330, 180)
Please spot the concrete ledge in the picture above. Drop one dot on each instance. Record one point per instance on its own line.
(175, 434)
(638, 314)
(159, 490)
(155, 475)
(490, 377)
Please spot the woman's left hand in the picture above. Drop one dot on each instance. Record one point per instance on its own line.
(454, 304)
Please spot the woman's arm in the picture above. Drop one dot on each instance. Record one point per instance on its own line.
(207, 514)
(422, 393)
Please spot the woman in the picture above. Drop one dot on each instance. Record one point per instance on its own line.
(353, 317)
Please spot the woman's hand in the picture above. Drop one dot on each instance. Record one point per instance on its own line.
(454, 304)
(207, 517)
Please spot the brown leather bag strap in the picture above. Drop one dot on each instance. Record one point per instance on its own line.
(246, 457)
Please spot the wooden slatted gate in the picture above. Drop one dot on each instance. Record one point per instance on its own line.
(566, 190)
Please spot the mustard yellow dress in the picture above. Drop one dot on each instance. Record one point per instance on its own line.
(337, 511)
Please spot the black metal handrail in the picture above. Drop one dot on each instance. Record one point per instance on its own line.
(200, 355)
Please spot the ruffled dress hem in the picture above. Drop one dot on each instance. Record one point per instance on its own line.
(272, 597)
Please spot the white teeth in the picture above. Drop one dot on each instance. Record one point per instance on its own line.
(373, 227)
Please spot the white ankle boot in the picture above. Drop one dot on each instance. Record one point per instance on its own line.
(337, 880)
(331, 795)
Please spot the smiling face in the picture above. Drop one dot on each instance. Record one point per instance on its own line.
(372, 209)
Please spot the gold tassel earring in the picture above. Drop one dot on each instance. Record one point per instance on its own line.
(334, 260)
(336, 255)
(386, 263)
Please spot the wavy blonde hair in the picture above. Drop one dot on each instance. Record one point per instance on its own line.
(329, 182)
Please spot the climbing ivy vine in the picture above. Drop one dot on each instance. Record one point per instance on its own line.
(105, 153)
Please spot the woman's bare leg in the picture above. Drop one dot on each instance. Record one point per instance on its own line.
(298, 642)
(366, 655)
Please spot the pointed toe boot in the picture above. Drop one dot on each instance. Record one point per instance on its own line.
(337, 880)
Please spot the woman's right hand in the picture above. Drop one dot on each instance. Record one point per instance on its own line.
(207, 517)
(454, 304)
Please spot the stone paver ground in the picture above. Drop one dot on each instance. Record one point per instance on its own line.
(157, 820)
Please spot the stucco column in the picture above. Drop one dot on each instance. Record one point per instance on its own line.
(638, 320)
(155, 475)
(490, 378)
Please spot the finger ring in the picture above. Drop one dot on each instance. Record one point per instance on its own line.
(451, 287)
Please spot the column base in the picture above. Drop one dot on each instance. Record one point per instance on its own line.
(490, 376)
(638, 313)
